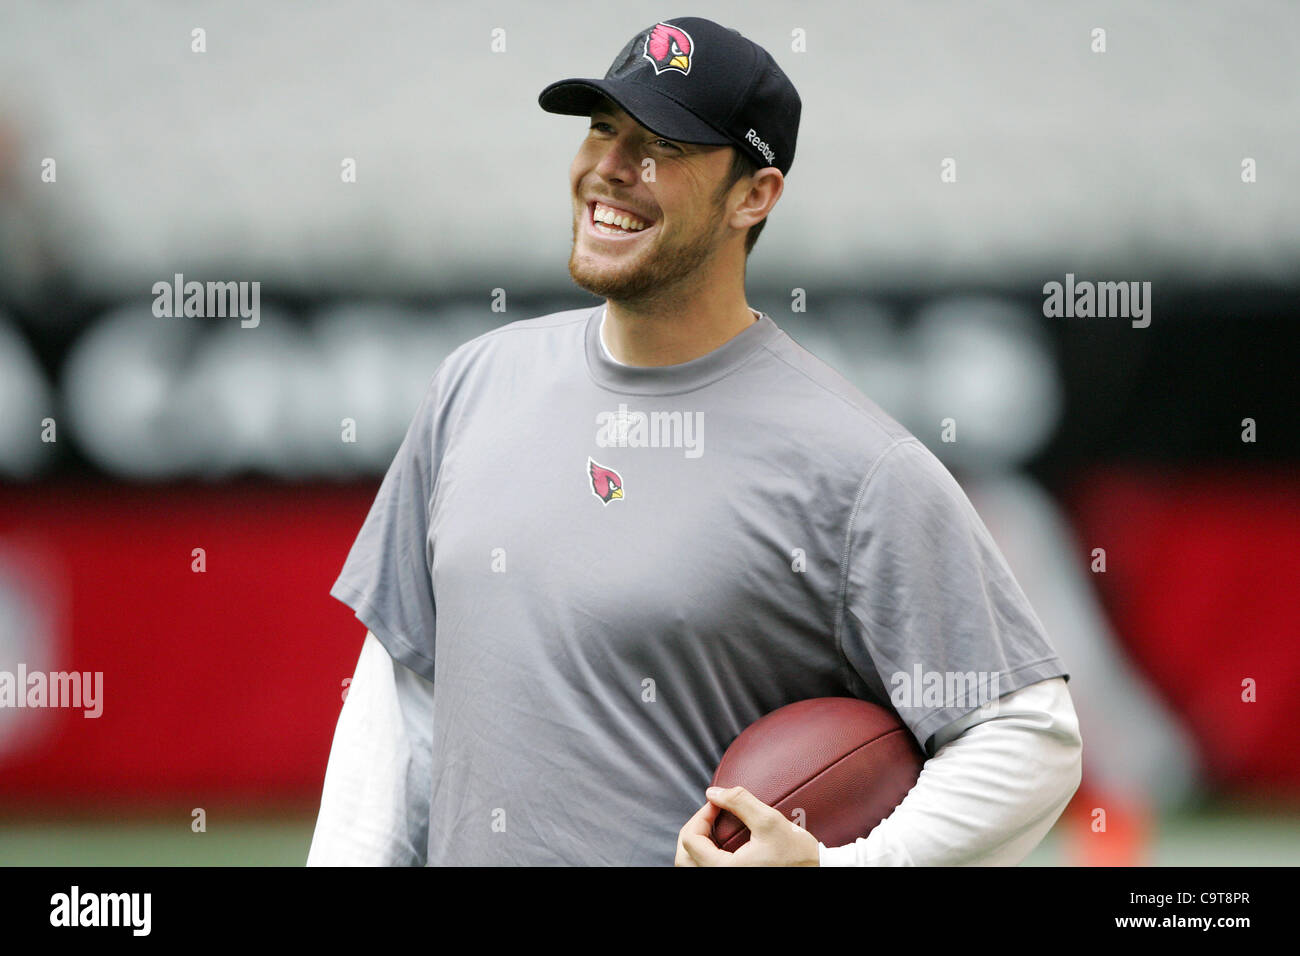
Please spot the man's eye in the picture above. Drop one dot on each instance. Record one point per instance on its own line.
(601, 126)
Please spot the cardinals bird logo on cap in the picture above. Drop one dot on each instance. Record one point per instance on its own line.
(669, 48)
(605, 482)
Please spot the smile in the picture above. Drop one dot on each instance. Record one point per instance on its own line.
(610, 222)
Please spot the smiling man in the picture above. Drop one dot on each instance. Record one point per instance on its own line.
(652, 220)
(616, 536)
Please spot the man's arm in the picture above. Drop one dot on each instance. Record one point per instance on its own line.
(991, 792)
(375, 805)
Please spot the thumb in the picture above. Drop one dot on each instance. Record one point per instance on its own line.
(739, 801)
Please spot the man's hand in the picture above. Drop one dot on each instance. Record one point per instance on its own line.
(773, 840)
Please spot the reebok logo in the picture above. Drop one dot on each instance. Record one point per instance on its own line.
(762, 147)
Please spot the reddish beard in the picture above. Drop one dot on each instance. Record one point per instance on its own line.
(649, 273)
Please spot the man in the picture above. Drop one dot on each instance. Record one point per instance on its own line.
(615, 537)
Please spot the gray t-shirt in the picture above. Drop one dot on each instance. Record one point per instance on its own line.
(609, 571)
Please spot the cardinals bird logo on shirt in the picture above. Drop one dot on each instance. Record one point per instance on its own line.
(605, 482)
(669, 48)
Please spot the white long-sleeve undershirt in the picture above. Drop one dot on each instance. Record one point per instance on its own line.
(988, 796)
(990, 793)
(374, 808)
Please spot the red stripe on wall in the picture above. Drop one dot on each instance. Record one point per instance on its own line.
(1203, 582)
(226, 682)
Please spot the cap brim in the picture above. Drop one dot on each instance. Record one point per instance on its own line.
(650, 108)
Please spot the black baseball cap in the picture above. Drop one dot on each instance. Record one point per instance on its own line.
(695, 81)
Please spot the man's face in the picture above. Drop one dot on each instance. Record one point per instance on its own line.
(685, 214)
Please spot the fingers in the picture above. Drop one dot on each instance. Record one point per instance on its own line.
(704, 852)
(698, 827)
(752, 811)
(702, 821)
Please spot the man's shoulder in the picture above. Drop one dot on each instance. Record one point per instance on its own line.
(523, 340)
(550, 321)
(830, 406)
(844, 435)
(522, 335)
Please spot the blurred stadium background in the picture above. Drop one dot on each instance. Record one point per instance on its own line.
(221, 688)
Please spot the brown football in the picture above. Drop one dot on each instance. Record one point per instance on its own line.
(845, 763)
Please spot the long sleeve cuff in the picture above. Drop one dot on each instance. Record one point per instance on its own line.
(991, 792)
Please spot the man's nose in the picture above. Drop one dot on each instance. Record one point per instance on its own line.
(619, 163)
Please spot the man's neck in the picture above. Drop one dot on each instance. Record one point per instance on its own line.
(654, 337)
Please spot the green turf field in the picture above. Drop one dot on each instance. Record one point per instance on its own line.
(1213, 838)
(275, 841)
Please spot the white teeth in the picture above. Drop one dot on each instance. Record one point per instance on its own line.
(604, 213)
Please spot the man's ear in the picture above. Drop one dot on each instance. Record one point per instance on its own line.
(763, 190)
